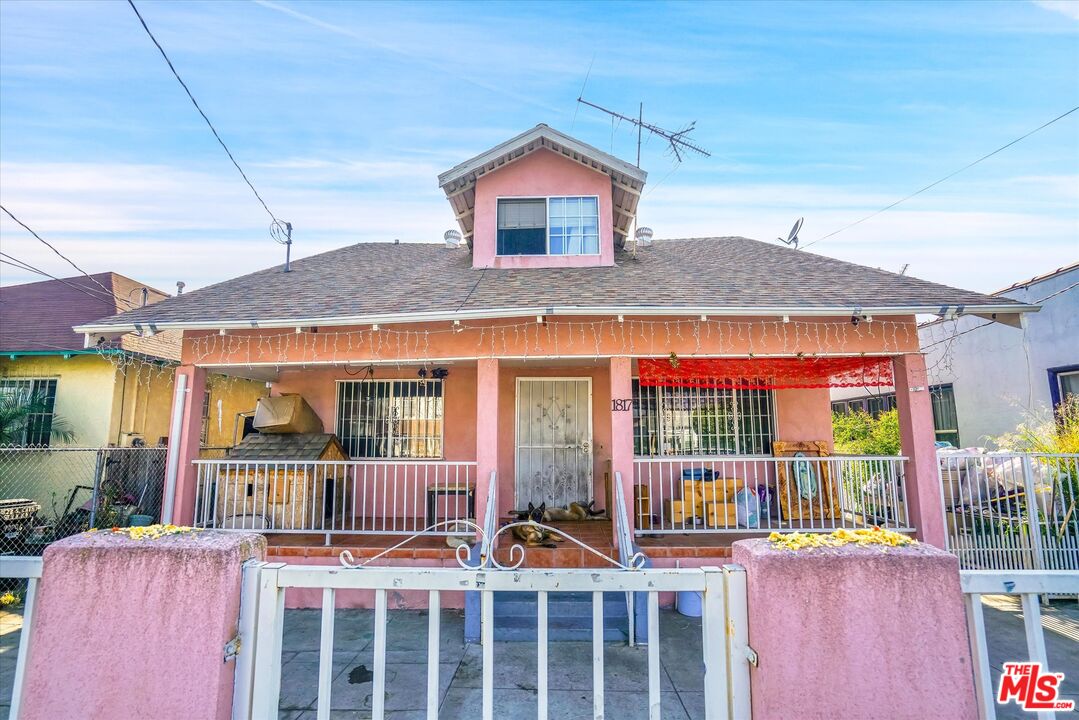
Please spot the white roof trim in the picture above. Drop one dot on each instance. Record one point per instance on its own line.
(540, 131)
(443, 316)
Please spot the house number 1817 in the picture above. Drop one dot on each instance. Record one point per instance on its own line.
(621, 404)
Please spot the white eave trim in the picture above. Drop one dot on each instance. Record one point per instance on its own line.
(444, 316)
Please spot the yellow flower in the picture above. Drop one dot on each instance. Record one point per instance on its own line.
(8, 598)
(843, 536)
(153, 532)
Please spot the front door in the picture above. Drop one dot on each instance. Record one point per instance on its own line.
(554, 441)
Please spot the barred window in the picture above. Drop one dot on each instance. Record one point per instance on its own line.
(701, 421)
(39, 395)
(390, 418)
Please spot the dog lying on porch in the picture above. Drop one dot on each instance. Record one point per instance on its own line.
(575, 511)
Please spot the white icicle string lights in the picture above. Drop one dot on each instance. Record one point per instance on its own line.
(552, 338)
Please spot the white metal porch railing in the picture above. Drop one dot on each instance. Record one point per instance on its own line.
(1012, 511)
(1028, 585)
(725, 629)
(624, 538)
(28, 568)
(399, 497)
(745, 494)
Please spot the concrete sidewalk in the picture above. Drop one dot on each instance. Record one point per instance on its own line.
(570, 666)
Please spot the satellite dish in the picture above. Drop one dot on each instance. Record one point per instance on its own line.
(792, 239)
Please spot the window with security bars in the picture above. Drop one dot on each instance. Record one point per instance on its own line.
(390, 418)
(701, 421)
(39, 396)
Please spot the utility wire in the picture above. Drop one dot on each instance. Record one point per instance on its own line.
(65, 258)
(990, 322)
(946, 177)
(196, 104)
(15, 262)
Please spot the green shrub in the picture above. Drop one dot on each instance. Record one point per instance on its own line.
(859, 433)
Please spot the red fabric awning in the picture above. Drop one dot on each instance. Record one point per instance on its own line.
(767, 373)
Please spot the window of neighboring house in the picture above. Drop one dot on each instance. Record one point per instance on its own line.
(37, 427)
(548, 226)
(204, 432)
(945, 421)
(701, 421)
(1065, 384)
(390, 418)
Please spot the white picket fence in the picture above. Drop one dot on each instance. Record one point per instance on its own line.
(1012, 511)
(725, 652)
(1029, 585)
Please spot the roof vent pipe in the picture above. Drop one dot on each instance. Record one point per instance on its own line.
(180, 285)
(452, 238)
(643, 236)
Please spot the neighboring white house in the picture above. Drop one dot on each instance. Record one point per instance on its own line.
(988, 377)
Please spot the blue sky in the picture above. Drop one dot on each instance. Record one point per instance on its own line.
(344, 113)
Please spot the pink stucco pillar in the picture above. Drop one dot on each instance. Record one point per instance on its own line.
(622, 432)
(486, 431)
(856, 632)
(186, 446)
(925, 503)
(137, 628)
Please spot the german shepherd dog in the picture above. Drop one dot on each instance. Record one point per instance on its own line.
(531, 535)
(575, 511)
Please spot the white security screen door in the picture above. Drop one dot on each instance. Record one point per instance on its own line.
(554, 441)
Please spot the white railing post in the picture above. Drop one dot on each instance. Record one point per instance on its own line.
(714, 629)
(172, 466)
(979, 652)
(266, 689)
(1034, 523)
(29, 568)
(740, 655)
(245, 658)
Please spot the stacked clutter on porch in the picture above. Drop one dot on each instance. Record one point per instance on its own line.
(294, 495)
(705, 499)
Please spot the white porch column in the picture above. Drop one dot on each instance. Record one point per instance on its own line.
(183, 449)
(622, 433)
(925, 502)
(486, 431)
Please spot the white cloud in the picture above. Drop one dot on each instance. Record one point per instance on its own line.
(1069, 8)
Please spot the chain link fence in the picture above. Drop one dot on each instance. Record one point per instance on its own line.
(49, 493)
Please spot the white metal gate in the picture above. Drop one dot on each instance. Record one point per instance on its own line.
(725, 629)
(554, 441)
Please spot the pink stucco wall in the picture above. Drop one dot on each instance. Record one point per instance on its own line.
(125, 628)
(540, 174)
(857, 632)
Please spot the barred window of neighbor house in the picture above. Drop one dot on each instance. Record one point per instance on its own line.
(701, 421)
(40, 394)
(390, 418)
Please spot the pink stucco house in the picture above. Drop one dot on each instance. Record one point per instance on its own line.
(557, 354)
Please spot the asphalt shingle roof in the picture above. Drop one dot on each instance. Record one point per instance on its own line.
(383, 278)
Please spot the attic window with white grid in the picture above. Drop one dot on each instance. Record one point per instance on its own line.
(548, 226)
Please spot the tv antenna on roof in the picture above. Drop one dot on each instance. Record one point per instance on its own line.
(792, 238)
(281, 232)
(676, 139)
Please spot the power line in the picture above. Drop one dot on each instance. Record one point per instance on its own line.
(196, 104)
(66, 259)
(15, 262)
(990, 322)
(946, 177)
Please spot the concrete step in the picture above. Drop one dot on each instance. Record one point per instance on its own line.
(524, 604)
(558, 630)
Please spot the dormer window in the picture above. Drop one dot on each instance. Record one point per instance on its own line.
(548, 226)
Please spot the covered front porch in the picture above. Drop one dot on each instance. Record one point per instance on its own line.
(448, 446)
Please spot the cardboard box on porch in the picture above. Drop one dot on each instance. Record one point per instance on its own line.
(678, 512)
(721, 515)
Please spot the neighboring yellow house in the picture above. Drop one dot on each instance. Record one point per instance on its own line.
(107, 397)
(117, 396)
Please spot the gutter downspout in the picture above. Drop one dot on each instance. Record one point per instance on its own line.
(173, 466)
